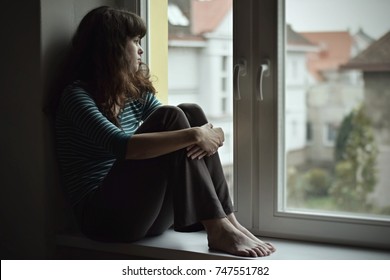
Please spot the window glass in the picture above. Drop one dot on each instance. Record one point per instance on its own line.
(336, 108)
(200, 64)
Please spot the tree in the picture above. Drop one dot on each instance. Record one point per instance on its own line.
(355, 158)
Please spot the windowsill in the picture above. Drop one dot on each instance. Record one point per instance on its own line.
(175, 245)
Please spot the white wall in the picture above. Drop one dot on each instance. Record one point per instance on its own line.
(296, 71)
(183, 75)
(295, 101)
(329, 102)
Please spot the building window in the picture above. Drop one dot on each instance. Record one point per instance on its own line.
(309, 132)
(330, 134)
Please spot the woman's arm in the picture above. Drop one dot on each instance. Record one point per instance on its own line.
(149, 145)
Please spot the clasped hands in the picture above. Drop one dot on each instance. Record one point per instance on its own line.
(210, 139)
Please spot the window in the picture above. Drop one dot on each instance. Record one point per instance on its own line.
(330, 134)
(329, 188)
(309, 132)
(281, 180)
(200, 63)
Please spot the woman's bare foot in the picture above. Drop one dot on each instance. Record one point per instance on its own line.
(224, 236)
(268, 246)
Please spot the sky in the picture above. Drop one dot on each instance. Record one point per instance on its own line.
(339, 15)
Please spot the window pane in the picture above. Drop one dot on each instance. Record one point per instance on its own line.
(337, 100)
(200, 64)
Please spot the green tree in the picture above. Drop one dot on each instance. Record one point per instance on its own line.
(355, 157)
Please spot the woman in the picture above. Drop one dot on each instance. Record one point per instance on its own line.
(133, 167)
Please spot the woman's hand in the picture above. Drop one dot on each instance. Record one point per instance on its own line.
(210, 139)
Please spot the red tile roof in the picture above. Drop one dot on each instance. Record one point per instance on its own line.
(207, 15)
(335, 49)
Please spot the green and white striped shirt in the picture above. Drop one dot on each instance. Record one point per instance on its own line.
(88, 143)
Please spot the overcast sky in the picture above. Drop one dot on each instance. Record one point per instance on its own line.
(339, 15)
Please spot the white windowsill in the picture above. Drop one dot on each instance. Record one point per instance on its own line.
(176, 245)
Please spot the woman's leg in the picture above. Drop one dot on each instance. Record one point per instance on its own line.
(129, 202)
(196, 117)
(217, 228)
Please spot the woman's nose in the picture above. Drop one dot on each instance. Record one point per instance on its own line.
(140, 50)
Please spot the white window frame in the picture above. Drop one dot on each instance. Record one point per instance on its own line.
(258, 165)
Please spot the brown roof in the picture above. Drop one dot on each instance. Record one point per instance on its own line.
(204, 16)
(373, 59)
(294, 38)
(335, 50)
(207, 15)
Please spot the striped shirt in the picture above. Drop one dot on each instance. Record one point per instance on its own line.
(88, 143)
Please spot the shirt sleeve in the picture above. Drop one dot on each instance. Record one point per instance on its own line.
(82, 111)
(151, 104)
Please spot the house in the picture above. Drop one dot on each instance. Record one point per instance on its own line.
(374, 62)
(205, 45)
(200, 62)
(297, 80)
(334, 91)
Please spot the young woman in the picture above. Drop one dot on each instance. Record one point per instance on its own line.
(132, 167)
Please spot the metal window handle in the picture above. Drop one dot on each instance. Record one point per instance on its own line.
(239, 70)
(263, 71)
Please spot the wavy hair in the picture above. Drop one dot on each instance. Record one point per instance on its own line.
(98, 58)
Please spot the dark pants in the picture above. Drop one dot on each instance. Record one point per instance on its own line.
(141, 198)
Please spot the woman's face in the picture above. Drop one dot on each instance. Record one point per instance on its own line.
(134, 52)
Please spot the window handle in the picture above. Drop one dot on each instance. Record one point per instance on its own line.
(263, 71)
(239, 70)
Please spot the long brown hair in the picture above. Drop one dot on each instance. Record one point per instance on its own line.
(99, 59)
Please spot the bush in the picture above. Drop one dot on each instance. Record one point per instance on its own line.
(316, 183)
(355, 169)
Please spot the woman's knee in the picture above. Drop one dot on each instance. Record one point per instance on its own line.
(194, 113)
(165, 118)
(191, 108)
(169, 110)
(174, 117)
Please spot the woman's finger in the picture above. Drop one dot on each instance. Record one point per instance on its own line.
(202, 155)
(197, 154)
(193, 151)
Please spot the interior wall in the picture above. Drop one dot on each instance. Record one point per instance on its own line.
(22, 198)
(34, 37)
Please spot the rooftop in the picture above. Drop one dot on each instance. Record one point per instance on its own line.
(376, 58)
(207, 15)
(334, 49)
(203, 17)
(295, 38)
